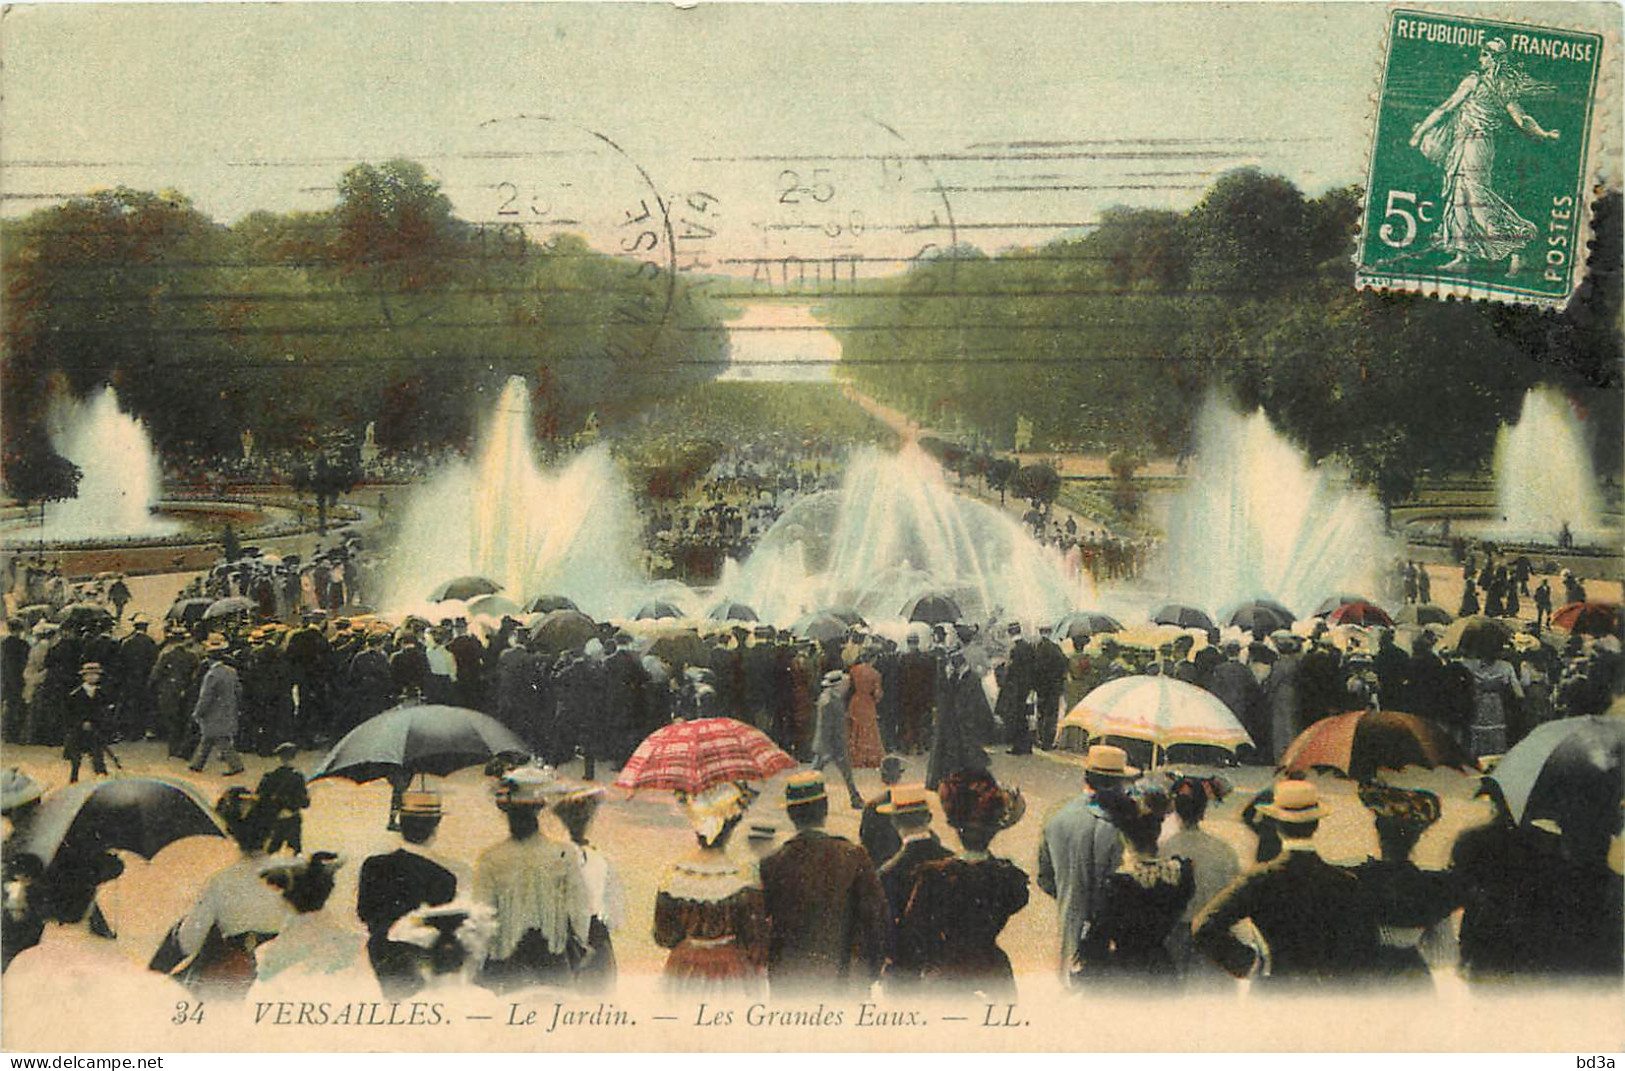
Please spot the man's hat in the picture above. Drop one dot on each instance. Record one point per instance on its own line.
(1295, 801)
(1107, 760)
(833, 677)
(764, 630)
(17, 788)
(420, 803)
(90, 667)
(216, 643)
(140, 621)
(287, 747)
(804, 788)
(906, 799)
(1014, 628)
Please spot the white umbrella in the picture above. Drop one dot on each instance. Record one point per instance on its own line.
(1160, 710)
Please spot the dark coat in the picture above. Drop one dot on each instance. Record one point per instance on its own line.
(624, 682)
(916, 688)
(1311, 914)
(876, 833)
(389, 887)
(89, 718)
(1234, 685)
(409, 667)
(897, 878)
(826, 914)
(961, 709)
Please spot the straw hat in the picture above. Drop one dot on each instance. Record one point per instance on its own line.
(1107, 760)
(215, 643)
(420, 803)
(804, 788)
(1295, 801)
(906, 799)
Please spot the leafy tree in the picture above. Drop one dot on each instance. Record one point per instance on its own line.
(334, 472)
(1248, 234)
(38, 476)
(1038, 484)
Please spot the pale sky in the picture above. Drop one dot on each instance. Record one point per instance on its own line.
(881, 125)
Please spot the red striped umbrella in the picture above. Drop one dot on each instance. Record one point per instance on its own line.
(692, 756)
(1362, 742)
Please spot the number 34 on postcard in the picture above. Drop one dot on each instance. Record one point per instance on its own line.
(1480, 161)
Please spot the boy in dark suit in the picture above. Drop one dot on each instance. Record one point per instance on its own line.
(909, 808)
(283, 795)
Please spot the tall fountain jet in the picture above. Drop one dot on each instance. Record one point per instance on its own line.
(570, 531)
(120, 479)
(896, 530)
(1544, 479)
(1257, 520)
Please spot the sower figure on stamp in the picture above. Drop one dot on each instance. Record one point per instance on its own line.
(1459, 135)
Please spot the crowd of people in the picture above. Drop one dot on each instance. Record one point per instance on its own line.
(731, 507)
(1145, 896)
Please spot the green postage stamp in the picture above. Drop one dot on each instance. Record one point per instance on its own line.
(1479, 184)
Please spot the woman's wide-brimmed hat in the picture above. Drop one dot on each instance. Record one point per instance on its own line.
(529, 786)
(973, 799)
(578, 802)
(711, 810)
(1295, 801)
(1108, 760)
(1413, 808)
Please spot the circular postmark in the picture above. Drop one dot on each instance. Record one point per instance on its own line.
(557, 188)
(804, 234)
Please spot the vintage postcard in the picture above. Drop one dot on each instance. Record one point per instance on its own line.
(819, 527)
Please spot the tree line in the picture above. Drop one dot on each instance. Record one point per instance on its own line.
(1110, 341)
(385, 308)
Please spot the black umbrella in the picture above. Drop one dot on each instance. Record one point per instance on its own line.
(1265, 613)
(732, 611)
(138, 814)
(820, 627)
(464, 587)
(546, 604)
(230, 607)
(1183, 616)
(1081, 624)
(85, 614)
(1423, 613)
(1571, 771)
(651, 611)
(932, 609)
(562, 630)
(850, 616)
(425, 739)
(189, 611)
(683, 647)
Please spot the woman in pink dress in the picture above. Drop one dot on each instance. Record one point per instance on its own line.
(862, 713)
